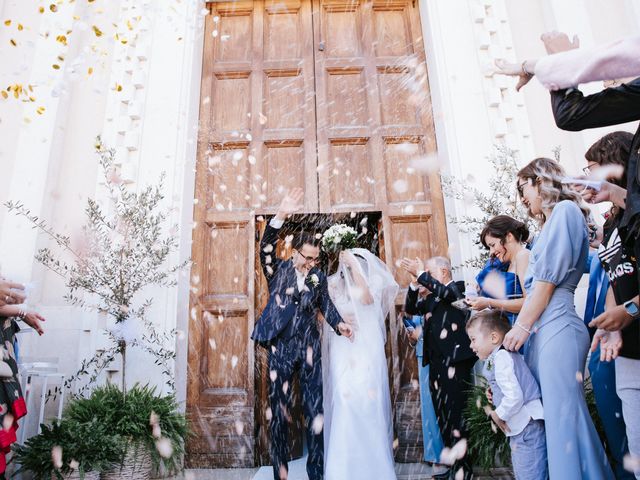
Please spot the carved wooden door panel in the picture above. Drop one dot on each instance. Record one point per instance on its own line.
(376, 142)
(327, 95)
(256, 140)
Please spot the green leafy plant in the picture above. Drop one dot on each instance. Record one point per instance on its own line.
(488, 446)
(590, 397)
(125, 248)
(81, 447)
(139, 416)
(500, 199)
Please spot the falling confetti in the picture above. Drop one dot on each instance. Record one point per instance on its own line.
(631, 462)
(607, 172)
(239, 427)
(494, 284)
(56, 456)
(425, 164)
(164, 447)
(7, 422)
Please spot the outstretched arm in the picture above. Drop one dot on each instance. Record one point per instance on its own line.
(568, 66)
(574, 112)
(449, 293)
(268, 257)
(330, 311)
(29, 317)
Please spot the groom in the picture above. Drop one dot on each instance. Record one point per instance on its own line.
(288, 328)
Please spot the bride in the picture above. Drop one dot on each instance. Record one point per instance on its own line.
(358, 435)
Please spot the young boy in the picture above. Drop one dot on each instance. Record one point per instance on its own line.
(516, 395)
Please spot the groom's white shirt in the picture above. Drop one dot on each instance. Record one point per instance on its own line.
(300, 277)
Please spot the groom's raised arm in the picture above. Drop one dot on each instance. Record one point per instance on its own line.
(268, 255)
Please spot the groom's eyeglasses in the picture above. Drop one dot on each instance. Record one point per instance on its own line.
(313, 260)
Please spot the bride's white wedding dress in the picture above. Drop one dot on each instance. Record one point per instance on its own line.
(358, 429)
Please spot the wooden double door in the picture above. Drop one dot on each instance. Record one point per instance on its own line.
(328, 95)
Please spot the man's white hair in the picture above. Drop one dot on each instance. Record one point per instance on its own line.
(440, 262)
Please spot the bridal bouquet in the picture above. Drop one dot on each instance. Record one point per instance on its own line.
(339, 237)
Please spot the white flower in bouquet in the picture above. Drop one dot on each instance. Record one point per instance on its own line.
(339, 237)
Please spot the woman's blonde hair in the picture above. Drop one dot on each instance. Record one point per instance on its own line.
(548, 175)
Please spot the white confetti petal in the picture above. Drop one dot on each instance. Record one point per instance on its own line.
(56, 456)
(164, 447)
(239, 427)
(317, 424)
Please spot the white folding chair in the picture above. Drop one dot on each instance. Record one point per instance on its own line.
(45, 369)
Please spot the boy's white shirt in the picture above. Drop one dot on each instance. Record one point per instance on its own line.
(512, 409)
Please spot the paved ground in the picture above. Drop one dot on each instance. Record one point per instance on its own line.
(404, 471)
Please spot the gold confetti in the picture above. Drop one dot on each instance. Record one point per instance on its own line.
(16, 88)
(53, 8)
(13, 42)
(41, 9)
(32, 99)
(55, 66)
(7, 22)
(20, 27)
(62, 39)
(118, 87)
(90, 70)
(40, 110)
(97, 31)
(4, 94)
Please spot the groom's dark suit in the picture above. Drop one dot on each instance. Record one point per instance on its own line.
(448, 352)
(288, 328)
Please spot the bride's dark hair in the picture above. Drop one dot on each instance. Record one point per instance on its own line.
(363, 262)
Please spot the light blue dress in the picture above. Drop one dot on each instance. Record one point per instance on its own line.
(557, 349)
(430, 430)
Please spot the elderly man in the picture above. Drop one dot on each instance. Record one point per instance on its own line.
(446, 346)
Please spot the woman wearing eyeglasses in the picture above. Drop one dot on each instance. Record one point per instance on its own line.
(558, 340)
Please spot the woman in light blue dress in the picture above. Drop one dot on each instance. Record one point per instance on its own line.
(558, 339)
(430, 431)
